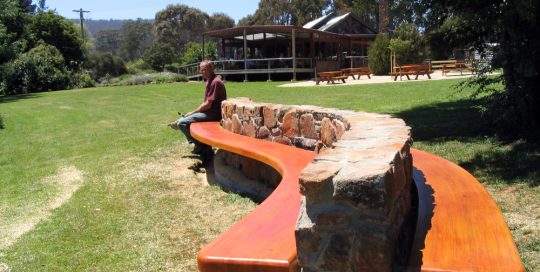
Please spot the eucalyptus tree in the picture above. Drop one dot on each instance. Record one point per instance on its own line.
(179, 24)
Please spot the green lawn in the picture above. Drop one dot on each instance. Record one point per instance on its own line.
(94, 180)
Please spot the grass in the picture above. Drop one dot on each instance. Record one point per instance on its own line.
(94, 180)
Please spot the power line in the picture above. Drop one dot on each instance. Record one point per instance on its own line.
(81, 12)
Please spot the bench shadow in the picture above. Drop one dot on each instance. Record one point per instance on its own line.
(425, 206)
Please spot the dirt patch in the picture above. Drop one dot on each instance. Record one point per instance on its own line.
(203, 211)
(66, 182)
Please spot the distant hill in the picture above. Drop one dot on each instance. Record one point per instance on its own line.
(96, 25)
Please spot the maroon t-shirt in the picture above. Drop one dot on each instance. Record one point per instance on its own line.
(215, 91)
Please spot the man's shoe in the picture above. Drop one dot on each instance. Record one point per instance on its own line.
(173, 125)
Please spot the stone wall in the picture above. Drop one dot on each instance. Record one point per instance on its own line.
(356, 195)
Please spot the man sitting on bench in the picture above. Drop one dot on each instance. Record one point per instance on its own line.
(209, 110)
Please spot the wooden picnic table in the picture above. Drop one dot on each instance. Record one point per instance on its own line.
(330, 77)
(411, 69)
(356, 72)
(457, 66)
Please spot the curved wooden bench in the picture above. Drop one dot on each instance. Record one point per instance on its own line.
(264, 239)
(459, 226)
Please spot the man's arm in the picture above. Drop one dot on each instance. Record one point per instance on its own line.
(206, 105)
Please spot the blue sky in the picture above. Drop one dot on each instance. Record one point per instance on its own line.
(132, 9)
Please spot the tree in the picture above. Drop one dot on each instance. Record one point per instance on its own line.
(220, 21)
(514, 26)
(179, 24)
(379, 55)
(102, 64)
(159, 55)
(366, 10)
(246, 21)
(108, 40)
(408, 44)
(304, 11)
(193, 52)
(136, 38)
(12, 34)
(47, 27)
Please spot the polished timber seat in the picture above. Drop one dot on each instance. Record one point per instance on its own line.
(459, 226)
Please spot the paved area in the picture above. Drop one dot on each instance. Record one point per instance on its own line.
(437, 75)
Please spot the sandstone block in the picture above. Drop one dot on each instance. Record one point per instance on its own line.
(363, 184)
(236, 124)
(337, 254)
(334, 219)
(290, 124)
(307, 126)
(228, 124)
(269, 116)
(250, 128)
(263, 133)
(340, 128)
(328, 132)
(305, 143)
(276, 132)
(315, 175)
(282, 140)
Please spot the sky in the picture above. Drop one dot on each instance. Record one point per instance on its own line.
(146, 9)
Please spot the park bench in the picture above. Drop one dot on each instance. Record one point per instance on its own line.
(411, 69)
(364, 71)
(457, 66)
(264, 239)
(330, 77)
(459, 227)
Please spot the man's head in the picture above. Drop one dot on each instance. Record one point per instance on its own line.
(206, 69)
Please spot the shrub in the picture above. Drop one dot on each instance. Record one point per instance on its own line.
(104, 63)
(40, 69)
(379, 55)
(138, 66)
(85, 81)
(158, 78)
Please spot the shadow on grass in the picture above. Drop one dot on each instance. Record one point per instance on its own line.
(515, 163)
(14, 98)
(510, 163)
(457, 120)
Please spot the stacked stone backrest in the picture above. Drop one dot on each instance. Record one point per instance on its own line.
(356, 194)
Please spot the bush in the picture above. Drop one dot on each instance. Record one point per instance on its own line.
(158, 78)
(85, 81)
(379, 55)
(102, 64)
(1, 122)
(138, 66)
(160, 55)
(40, 69)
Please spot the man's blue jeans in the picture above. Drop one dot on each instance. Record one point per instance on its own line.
(185, 122)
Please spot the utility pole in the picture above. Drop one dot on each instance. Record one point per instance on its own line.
(81, 12)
